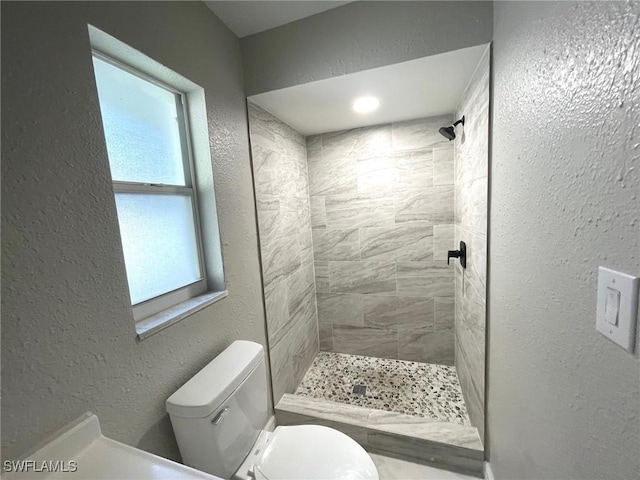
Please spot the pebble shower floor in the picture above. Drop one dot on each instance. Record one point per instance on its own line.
(411, 388)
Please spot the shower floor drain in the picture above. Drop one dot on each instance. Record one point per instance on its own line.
(359, 389)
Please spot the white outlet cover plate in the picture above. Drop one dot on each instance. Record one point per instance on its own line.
(624, 333)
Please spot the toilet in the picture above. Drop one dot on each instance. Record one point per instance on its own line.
(219, 418)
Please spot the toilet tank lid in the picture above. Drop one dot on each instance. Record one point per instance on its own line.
(212, 385)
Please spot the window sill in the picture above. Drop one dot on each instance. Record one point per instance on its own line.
(153, 324)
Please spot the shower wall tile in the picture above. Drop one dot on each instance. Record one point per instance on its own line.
(443, 166)
(424, 345)
(362, 277)
(357, 143)
(380, 208)
(325, 334)
(322, 277)
(414, 170)
(279, 163)
(443, 241)
(398, 244)
(376, 175)
(280, 258)
(431, 282)
(373, 342)
(398, 312)
(359, 210)
(277, 309)
(420, 133)
(471, 158)
(336, 245)
(318, 212)
(340, 309)
(445, 313)
(331, 175)
(430, 204)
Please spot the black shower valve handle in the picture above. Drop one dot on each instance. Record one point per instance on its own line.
(461, 254)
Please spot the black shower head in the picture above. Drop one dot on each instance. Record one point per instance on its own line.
(450, 132)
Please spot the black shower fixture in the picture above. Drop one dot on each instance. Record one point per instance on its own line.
(450, 132)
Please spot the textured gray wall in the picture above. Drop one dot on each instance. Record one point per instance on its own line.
(68, 337)
(563, 401)
(359, 36)
(279, 160)
(471, 190)
(382, 217)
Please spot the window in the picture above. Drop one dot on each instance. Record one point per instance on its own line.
(151, 156)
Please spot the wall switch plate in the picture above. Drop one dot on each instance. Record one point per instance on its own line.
(617, 311)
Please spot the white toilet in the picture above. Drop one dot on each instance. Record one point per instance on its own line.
(219, 418)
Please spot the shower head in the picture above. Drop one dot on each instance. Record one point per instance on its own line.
(449, 132)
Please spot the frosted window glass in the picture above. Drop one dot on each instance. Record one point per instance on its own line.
(159, 242)
(141, 127)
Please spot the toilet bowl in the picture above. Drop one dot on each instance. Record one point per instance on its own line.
(313, 452)
(219, 419)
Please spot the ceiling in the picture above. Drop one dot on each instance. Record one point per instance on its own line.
(419, 88)
(249, 17)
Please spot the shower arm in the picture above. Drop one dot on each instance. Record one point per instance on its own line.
(459, 121)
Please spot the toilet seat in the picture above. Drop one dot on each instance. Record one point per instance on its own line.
(313, 452)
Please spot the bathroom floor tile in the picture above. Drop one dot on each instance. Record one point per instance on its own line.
(395, 469)
(411, 388)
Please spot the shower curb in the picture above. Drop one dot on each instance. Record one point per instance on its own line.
(444, 445)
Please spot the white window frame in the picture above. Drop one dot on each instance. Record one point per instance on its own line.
(168, 299)
(157, 313)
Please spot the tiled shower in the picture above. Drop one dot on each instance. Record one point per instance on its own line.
(354, 229)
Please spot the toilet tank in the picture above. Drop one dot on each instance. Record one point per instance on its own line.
(219, 413)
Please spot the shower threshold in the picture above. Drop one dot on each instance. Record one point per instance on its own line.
(397, 413)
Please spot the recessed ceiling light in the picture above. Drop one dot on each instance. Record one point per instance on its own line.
(366, 104)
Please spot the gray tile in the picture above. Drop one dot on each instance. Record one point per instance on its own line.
(373, 342)
(443, 166)
(301, 295)
(443, 241)
(306, 246)
(266, 168)
(403, 243)
(258, 129)
(281, 368)
(336, 244)
(414, 169)
(305, 349)
(340, 308)
(420, 133)
(444, 313)
(322, 277)
(359, 210)
(436, 453)
(471, 207)
(362, 277)
(314, 146)
(277, 311)
(431, 282)
(325, 334)
(376, 175)
(332, 176)
(268, 207)
(413, 269)
(280, 258)
(318, 213)
(398, 312)
(425, 345)
(431, 204)
(357, 143)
